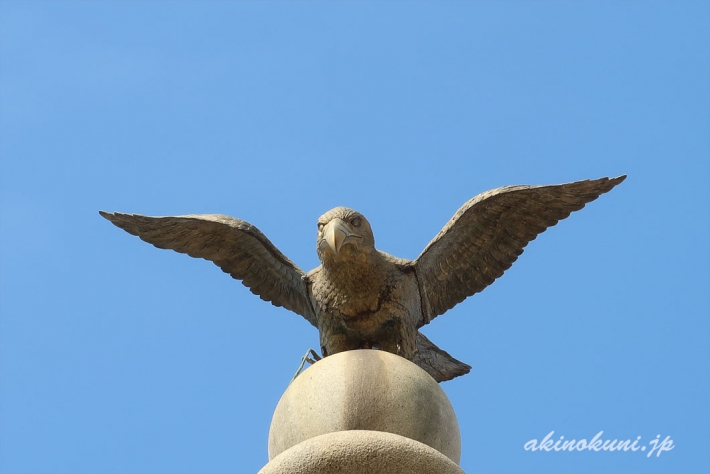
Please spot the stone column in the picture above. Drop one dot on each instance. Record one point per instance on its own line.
(364, 411)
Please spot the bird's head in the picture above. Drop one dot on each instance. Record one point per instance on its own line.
(343, 233)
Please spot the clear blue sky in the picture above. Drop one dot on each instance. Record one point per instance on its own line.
(116, 357)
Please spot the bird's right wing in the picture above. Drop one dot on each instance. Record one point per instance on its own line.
(487, 235)
(235, 246)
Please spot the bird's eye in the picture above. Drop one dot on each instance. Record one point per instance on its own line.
(356, 222)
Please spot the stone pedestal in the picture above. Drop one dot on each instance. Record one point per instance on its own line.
(364, 411)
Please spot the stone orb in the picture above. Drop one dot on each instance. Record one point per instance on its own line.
(361, 452)
(365, 390)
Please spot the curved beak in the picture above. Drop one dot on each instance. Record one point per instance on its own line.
(336, 233)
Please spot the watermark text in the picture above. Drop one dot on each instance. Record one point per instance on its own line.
(597, 443)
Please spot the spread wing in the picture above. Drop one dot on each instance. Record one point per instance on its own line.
(487, 235)
(235, 246)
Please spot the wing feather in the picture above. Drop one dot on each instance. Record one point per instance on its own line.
(235, 246)
(488, 233)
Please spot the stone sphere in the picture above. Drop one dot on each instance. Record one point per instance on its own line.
(365, 390)
(361, 452)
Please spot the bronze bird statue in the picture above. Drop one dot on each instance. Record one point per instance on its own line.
(360, 297)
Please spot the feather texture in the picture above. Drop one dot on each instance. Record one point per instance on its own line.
(488, 233)
(363, 298)
(437, 362)
(234, 245)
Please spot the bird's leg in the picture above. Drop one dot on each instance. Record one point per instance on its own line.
(389, 346)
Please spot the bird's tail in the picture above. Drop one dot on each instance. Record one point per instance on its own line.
(437, 362)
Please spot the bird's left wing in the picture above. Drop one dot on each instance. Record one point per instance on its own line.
(234, 245)
(487, 235)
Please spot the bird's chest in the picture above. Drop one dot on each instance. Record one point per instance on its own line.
(356, 302)
(347, 299)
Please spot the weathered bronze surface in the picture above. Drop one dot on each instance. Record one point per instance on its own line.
(360, 297)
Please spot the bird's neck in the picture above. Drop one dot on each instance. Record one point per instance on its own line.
(362, 268)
